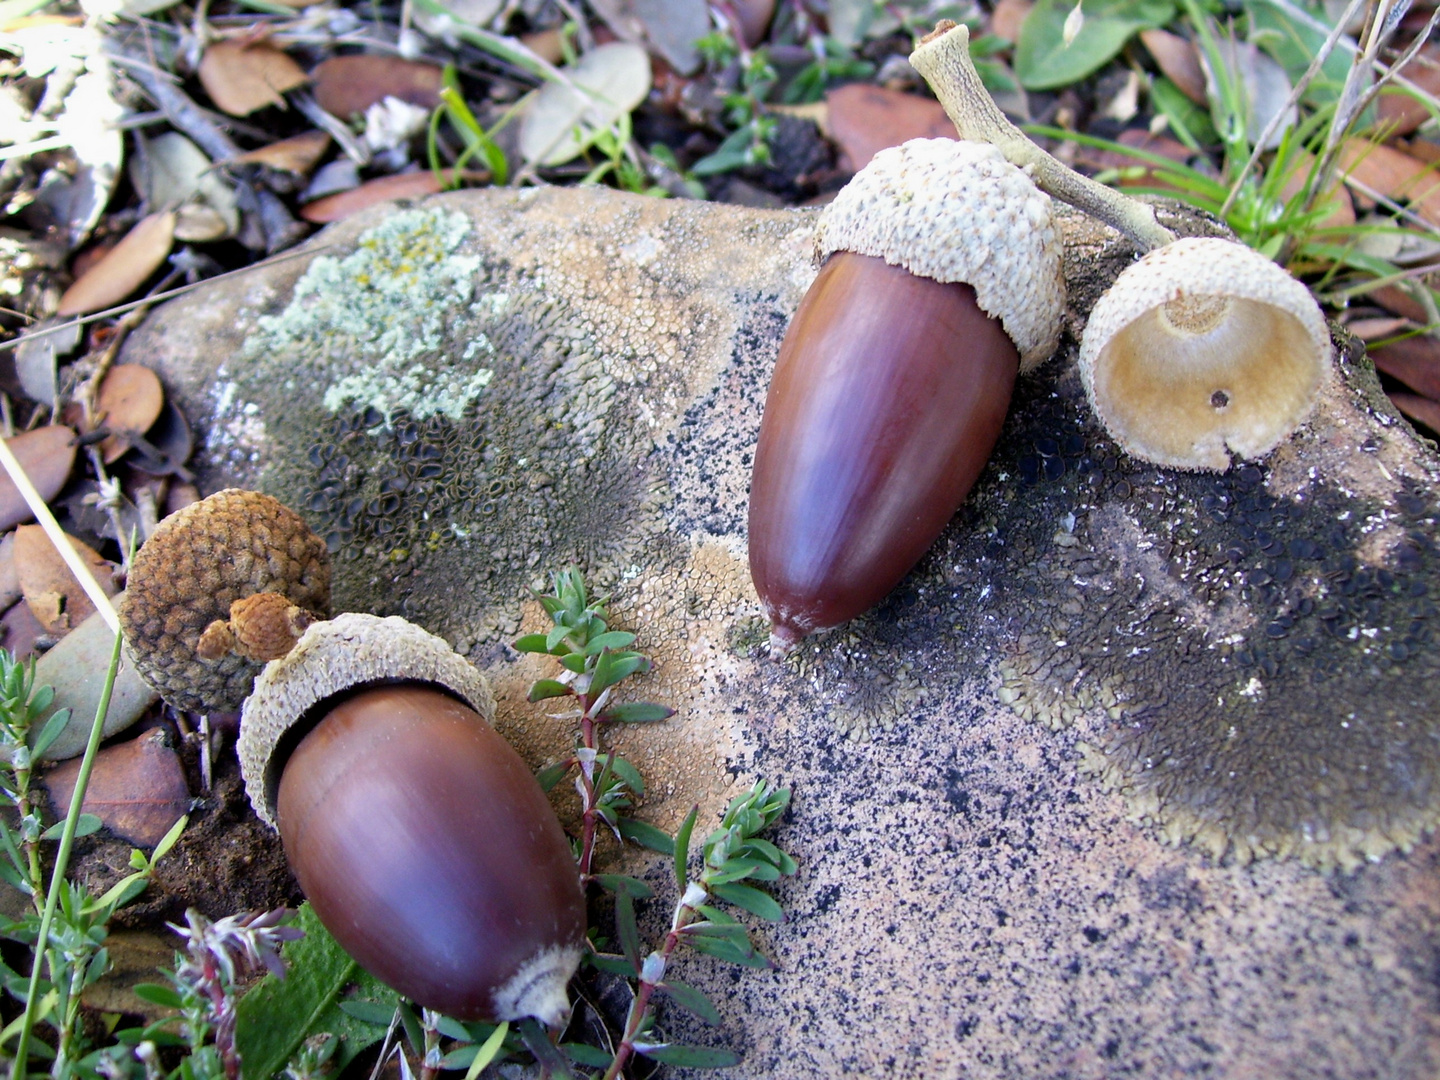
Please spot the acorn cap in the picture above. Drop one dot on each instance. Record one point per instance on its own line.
(958, 211)
(200, 560)
(1201, 348)
(331, 657)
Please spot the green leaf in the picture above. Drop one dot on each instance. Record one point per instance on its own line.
(622, 884)
(751, 899)
(537, 1041)
(766, 850)
(551, 775)
(682, 848)
(375, 1013)
(275, 1017)
(1044, 62)
(531, 643)
(165, 996)
(50, 732)
(1294, 44)
(585, 1054)
(687, 997)
(627, 772)
(85, 824)
(573, 662)
(609, 962)
(611, 639)
(694, 1057)
(1191, 123)
(547, 688)
(451, 1029)
(625, 927)
(637, 712)
(738, 869)
(721, 949)
(558, 633)
(647, 835)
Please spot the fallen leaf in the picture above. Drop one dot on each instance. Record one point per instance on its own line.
(123, 269)
(1007, 18)
(342, 204)
(1368, 330)
(1397, 298)
(1342, 211)
(179, 497)
(129, 403)
(1264, 84)
(20, 630)
(175, 172)
(1394, 174)
(1421, 410)
(755, 16)
(241, 78)
(1400, 112)
(852, 21)
(1423, 150)
(47, 455)
(9, 579)
(671, 26)
(545, 44)
(1177, 59)
(137, 788)
(50, 589)
(37, 357)
(297, 154)
(171, 442)
(865, 119)
(609, 81)
(345, 86)
(1415, 361)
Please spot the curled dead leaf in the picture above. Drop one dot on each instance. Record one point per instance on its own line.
(129, 403)
(242, 78)
(1178, 61)
(297, 154)
(47, 455)
(50, 589)
(342, 204)
(346, 86)
(124, 268)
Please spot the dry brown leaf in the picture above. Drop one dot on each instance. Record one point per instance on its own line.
(865, 119)
(137, 788)
(297, 154)
(46, 454)
(9, 579)
(129, 402)
(545, 44)
(19, 631)
(1342, 213)
(241, 78)
(1393, 174)
(346, 86)
(124, 268)
(1419, 409)
(1415, 361)
(1398, 109)
(1007, 18)
(1177, 58)
(1397, 299)
(342, 204)
(755, 16)
(1374, 329)
(1423, 150)
(50, 590)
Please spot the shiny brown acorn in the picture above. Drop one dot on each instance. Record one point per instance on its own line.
(419, 836)
(939, 280)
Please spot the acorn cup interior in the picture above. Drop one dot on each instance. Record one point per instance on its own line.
(1237, 373)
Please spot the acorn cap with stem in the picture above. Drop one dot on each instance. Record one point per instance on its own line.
(958, 212)
(1203, 348)
(200, 561)
(331, 658)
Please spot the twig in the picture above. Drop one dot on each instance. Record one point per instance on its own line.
(943, 58)
(309, 108)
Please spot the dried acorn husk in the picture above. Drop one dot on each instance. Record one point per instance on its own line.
(419, 836)
(940, 279)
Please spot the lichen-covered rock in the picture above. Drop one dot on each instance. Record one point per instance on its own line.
(467, 393)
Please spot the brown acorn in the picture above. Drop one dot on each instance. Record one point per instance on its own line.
(419, 836)
(940, 279)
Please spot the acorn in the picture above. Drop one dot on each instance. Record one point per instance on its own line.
(939, 280)
(1201, 349)
(419, 836)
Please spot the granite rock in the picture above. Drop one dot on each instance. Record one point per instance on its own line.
(1133, 775)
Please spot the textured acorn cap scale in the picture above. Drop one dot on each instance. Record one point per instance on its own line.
(1203, 348)
(227, 547)
(349, 651)
(958, 211)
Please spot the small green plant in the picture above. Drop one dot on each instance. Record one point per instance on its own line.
(751, 125)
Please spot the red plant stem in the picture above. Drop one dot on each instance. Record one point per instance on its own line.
(684, 913)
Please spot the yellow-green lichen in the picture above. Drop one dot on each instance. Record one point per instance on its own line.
(378, 321)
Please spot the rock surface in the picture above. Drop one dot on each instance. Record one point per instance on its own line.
(1097, 657)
